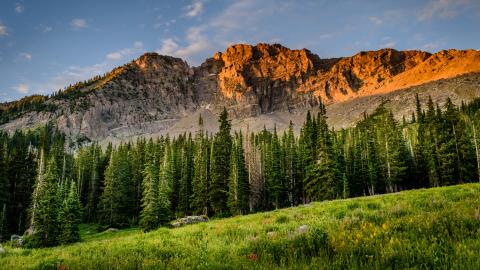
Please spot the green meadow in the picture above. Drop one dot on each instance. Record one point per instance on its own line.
(419, 229)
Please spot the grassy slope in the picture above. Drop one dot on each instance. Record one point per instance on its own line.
(434, 228)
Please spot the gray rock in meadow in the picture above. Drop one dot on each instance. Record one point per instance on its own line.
(302, 229)
(112, 230)
(2, 250)
(271, 234)
(189, 220)
(17, 240)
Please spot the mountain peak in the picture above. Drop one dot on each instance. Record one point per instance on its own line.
(153, 92)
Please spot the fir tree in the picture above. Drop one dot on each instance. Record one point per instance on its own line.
(44, 211)
(220, 163)
(239, 189)
(165, 187)
(186, 178)
(117, 206)
(199, 199)
(149, 216)
(70, 217)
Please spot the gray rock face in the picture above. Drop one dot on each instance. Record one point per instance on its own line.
(188, 220)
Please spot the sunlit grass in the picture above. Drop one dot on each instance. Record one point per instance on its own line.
(434, 228)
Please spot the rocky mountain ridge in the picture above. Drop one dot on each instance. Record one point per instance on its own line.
(155, 94)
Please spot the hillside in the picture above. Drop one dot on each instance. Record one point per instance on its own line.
(428, 228)
(260, 85)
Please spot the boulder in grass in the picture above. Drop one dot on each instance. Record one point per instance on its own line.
(17, 240)
(188, 220)
(2, 250)
(112, 230)
(302, 229)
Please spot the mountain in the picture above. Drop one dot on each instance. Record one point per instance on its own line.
(260, 85)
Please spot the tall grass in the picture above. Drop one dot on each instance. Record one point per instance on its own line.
(422, 229)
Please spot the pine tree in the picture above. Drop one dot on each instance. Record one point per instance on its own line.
(345, 190)
(165, 186)
(117, 206)
(149, 216)
(200, 183)
(292, 181)
(44, 211)
(3, 223)
(239, 189)
(186, 178)
(322, 177)
(70, 217)
(220, 163)
(4, 193)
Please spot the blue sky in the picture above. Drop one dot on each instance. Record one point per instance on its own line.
(46, 45)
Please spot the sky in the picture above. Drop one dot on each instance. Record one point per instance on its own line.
(49, 44)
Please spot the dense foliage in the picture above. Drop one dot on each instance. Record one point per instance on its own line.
(150, 182)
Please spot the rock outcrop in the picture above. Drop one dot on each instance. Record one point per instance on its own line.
(188, 220)
(154, 93)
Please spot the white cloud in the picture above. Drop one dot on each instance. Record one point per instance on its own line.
(169, 47)
(390, 44)
(75, 74)
(443, 9)
(3, 30)
(227, 28)
(194, 9)
(114, 56)
(431, 46)
(120, 54)
(326, 35)
(164, 24)
(375, 20)
(22, 88)
(78, 23)
(26, 56)
(72, 75)
(46, 28)
(196, 42)
(19, 8)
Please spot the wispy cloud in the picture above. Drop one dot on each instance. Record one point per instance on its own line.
(388, 42)
(71, 75)
(26, 56)
(22, 88)
(434, 45)
(45, 28)
(197, 42)
(3, 30)
(19, 8)
(78, 24)
(194, 9)
(120, 54)
(375, 20)
(80, 73)
(443, 9)
(221, 30)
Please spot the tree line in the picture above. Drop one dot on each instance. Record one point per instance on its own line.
(47, 190)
